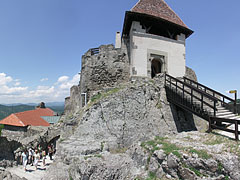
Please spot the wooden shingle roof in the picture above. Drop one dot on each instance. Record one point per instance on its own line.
(158, 8)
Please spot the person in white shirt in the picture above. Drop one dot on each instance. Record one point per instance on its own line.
(24, 159)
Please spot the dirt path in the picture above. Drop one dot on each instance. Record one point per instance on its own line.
(31, 173)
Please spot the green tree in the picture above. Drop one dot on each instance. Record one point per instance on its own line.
(1, 127)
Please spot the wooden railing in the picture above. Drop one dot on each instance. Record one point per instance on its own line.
(190, 97)
(197, 98)
(214, 121)
(221, 98)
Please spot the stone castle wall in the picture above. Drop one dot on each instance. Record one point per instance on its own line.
(103, 70)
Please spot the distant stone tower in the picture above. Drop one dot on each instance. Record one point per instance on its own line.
(154, 37)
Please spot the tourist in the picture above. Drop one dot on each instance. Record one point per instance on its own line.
(40, 150)
(50, 151)
(24, 159)
(30, 156)
(44, 157)
(36, 158)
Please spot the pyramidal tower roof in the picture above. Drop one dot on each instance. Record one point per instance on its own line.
(158, 8)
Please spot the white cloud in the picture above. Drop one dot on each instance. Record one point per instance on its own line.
(17, 84)
(63, 79)
(12, 92)
(4, 79)
(44, 79)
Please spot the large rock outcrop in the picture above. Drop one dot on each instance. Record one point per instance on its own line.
(111, 123)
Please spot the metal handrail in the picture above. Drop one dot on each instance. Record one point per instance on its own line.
(94, 51)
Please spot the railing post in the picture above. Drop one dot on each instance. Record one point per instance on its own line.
(191, 96)
(236, 130)
(214, 109)
(235, 103)
(210, 124)
(183, 90)
(165, 80)
(170, 83)
(176, 86)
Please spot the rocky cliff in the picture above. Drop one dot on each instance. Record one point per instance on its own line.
(132, 132)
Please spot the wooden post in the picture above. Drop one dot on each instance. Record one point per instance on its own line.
(210, 124)
(191, 96)
(236, 130)
(215, 108)
(235, 103)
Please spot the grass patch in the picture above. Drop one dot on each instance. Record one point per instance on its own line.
(96, 97)
(201, 153)
(166, 146)
(61, 140)
(214, 140)
(159, 105)
(220, 167)
(176, 153)
(91, 156)
(197, 172)
(111, 91)
(119, 150)
(226, 178)
(102, 145)
(151, 176)
(100, 95)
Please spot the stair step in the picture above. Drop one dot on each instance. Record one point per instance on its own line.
(224, 113)
(227, 116)
(236, 118)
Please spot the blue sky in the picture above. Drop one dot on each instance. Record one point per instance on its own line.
(42, 41)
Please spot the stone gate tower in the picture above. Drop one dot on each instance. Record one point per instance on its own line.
(154, 37)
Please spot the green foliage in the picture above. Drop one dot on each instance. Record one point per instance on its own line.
(102, 145)
(151, 176)
(220, 167)
(201, 153)
(96, 97)
(167, 147)
(159, 105)
(1, 127)
(226, 178)
(197, 172)
(91, 156)
(176, 153)
(215, 140)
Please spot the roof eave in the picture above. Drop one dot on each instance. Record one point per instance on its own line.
(128, 14)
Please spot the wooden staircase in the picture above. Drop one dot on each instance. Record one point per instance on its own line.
(203, 102)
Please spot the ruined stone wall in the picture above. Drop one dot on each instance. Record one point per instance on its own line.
(105, 69)
(73, 102)
(190, 74)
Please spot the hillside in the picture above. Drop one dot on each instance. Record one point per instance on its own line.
(6, 110)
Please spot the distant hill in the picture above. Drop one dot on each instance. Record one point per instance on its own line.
(6, 110)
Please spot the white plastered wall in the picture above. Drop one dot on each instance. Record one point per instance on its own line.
(143, 45)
